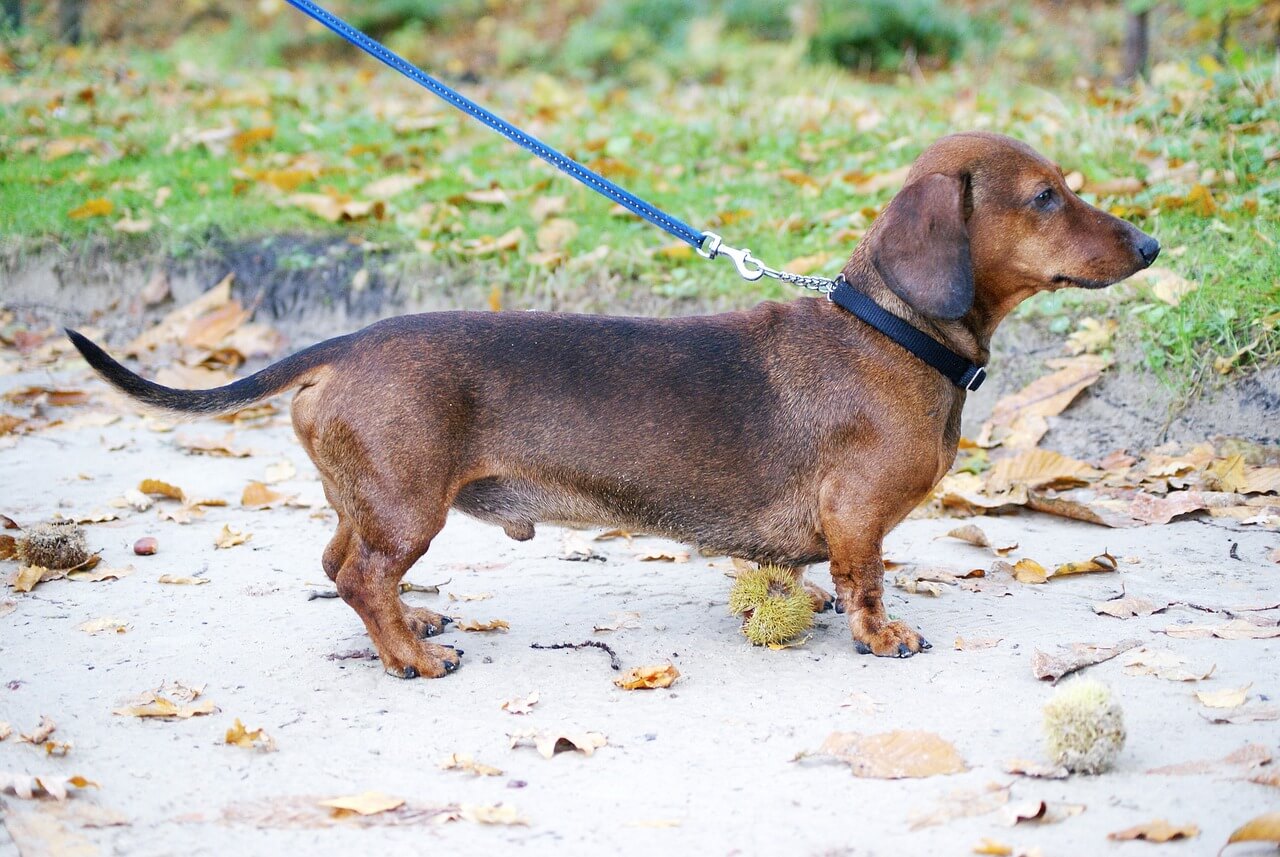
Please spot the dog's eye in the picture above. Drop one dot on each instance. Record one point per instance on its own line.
(1044, 198)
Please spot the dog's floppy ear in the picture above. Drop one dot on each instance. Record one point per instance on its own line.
(921, 247)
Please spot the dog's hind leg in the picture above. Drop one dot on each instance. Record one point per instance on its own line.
(369, 581)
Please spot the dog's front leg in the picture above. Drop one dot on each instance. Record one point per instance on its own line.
(855, 525)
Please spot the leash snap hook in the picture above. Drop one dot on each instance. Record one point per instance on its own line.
(749, 267)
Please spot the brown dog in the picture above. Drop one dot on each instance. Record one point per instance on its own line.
(788, 433)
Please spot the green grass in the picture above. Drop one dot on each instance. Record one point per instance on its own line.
(771, 158)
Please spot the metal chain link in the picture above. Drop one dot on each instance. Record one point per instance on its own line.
(750, 268)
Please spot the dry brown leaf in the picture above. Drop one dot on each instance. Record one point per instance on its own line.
(1249, 756)
(916, 586)
(1128, 607)
(1226, 698)
(258, 496)
(516, 705)
(463, 762)
(1037, 468)
(663, 556)
(337, 209)
(389, 186)
(651, 676)
(976, 644)
(229, 538)
(99, 574)
(894, 755)
(26, 577)
(1046, 396)
(491, 246)
(477, 596)
(28, 787)
(477, 625)
(153, 704)
(1236, 629)
(213, 446)
(1260, 480)
(1151, 509)
(1083, 504)
(1167, 285)
(97, 626)
(1165, 665)
(1102, 562)
(1264, 828)
(181, 580)
(1040, 812)
(255, 739)
(41, 733)
(1037, 770)
(974, 535)
(1267, 778)
(365, 803)
(1049, 667)
(550, 743)
(1156, 831)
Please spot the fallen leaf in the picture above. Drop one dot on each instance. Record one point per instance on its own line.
(99, 207)
(1040, 812)
(1049, 667)
(575, 548)
(916, 586)
(213, 446)
(1165, 665)
(463, 762)
(1037, 468)
(337, 209)
(154, 704)
(1236, 629)
(1045, 397)
(1102, 562)
(100, 574)
(620, 622)
(256, 495)
(517, 705)
(1151, 509)
(28, 787)
(1167, 285)
(1027, 570)
(256, 739)
(1038, 770)
(389, 186)
(179, 580)
(41, 733)
(663, 556)
(478, 596)
(281, 471)
(976, 644)
(1092, 336)
(25, 578)
(365, 803)
(1264, 828)
(476, 625)
(993, 848)
(1249, 756)
(966, 803)
(1156, 831)
(97, 626)
(550, 743)
(894, 755)
(974, 535)
(229, 538)
(1128, 607)
(652, 676)
(1227, 698)
(1247, 714)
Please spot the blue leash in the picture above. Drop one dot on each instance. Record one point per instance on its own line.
(957, 369)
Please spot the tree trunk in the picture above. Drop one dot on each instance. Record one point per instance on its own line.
(11, 15)
(1137, 45)
(70, 15)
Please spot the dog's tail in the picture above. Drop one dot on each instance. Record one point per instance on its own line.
(293, 371)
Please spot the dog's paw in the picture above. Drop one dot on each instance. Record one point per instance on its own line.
(431, 661)
(890, 640)
(821, 599)
(423, 622)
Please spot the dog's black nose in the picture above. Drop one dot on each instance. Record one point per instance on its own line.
(1148, 248)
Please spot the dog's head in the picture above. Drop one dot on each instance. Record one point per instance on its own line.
(984, 220)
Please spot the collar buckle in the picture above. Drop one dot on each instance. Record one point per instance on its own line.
(979, 374)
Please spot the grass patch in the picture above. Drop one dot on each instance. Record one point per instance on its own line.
(753, 141)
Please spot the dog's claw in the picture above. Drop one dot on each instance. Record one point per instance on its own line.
(410, 672)
(903, 650)
(861, 647)
(446, 620)
(839, 606)
(925, 644)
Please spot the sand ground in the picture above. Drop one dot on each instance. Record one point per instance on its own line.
(702, 767)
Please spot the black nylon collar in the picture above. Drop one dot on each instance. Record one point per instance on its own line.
(959, 371)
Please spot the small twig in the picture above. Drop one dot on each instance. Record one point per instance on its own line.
(432, 588)
(595, 644)
(322, 593)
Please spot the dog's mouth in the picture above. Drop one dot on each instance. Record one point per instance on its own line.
(1081, 282)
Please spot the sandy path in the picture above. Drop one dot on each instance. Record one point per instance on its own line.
(703, 767)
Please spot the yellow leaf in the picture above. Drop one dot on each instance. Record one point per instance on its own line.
(246, 140)
(93, 208)
(390, 186)
(993, 848)
(1228, 698)
(653, 676)
(27, 576)
(1027, 570)
(1046, 396)
(807, 264)
(1037, 468)
(258, 496)
(1167, 285)
(229, 538)
(1264, 828)
(157, 705)
(476, 625)
(239, 736)
(1156, 831)
(491, 246)
(894, 755)
(97, 626)
(1102, 562)
(179, 580)
(463, 762)
(162, 489)
(365, 803)
(495, 299)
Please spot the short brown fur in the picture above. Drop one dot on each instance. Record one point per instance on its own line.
(787, 433)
